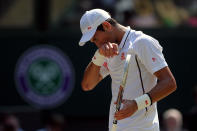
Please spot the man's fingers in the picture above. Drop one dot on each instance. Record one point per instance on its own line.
(122, 114)
(109, 49)
(115, 48)
(103, 50)
(110, 45)
(120, 117)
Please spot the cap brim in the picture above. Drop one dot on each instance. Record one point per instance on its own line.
(87, 36)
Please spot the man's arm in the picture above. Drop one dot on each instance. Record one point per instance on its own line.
(92, 74)
(163, 88)
(91, 77)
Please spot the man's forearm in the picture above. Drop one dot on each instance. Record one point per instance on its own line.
(164, 87)
(91, 77)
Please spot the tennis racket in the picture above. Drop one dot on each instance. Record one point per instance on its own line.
(121, 89)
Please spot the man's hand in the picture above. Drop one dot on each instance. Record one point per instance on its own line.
(109, 49)
(129, 108)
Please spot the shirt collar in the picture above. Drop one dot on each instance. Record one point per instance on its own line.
(124, 37)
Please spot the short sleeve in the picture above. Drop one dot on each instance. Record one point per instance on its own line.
(149, 51)
(104, 71)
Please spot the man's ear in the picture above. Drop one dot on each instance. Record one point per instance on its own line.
(107, 26)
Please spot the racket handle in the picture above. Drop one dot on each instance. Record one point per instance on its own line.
(114, 126)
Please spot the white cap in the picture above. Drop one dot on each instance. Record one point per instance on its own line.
(89, 23)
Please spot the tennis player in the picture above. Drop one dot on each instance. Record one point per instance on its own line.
(149, 78)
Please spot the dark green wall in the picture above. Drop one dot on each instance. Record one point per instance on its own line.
(179, 50)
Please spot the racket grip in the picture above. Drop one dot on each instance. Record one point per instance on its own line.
(114, 126)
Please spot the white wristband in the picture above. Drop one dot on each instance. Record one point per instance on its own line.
(98, 59)
(143, 101)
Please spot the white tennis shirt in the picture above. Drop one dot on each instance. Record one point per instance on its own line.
(150, 59)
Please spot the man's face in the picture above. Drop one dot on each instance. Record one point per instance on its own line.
(102, 37)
